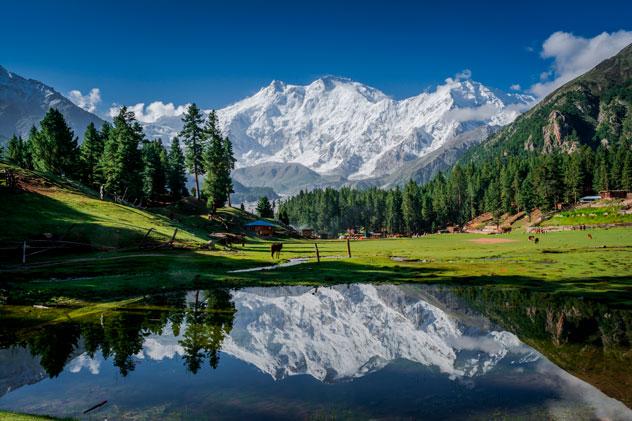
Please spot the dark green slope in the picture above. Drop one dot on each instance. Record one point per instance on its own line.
(592, 108)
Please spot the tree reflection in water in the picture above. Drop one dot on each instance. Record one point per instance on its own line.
(208, 321)
(590, 339)
(120, 334)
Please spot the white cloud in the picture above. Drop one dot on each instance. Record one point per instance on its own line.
(515, 87)
(89, 101)
(483, 112)
(84, 361)
(573, 55)
(152, 112)
(486, 112)
(464, 74)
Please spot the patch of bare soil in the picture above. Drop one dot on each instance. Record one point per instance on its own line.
(491, 240)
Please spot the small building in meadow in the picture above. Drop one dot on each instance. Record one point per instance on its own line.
(307, 232)
(261, 228)
(613, 194)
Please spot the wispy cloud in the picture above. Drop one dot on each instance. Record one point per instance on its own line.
(89, 101)
(486, 112)
(574, 55)
(464, 74)
(152, 112)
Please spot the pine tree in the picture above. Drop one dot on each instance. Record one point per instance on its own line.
(457, 187)
(626, 172)
(229, 160)
(176, 174)
(526, 196)
(90, 153)
(283, 215)
(600, 174)
(193, 136)
(264, 208)
(573, 178)
(122, 161)
(99, 171)
(217, 164)
(394, 211)
(547, 181)
(506, 191)
(55, 147)
(15, 151)
(492, 199)
(411, 209)
(154, 169)
(617, 160)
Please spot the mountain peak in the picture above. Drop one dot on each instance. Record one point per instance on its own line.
(5, 73)
(335, 79)
(276, 85)
(342, 128)
(25, 101)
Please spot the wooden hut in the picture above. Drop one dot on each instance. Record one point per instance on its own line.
(613, 194)
(261, 228)
(307, 232)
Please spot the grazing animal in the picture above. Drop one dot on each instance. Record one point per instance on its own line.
(536, 240)
(531, 238)
(276, 248)
(590, 236)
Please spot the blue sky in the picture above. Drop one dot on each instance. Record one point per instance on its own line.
(215, 53)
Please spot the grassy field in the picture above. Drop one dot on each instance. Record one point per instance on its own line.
(47, 204)
(611, 214)
(12, 416)
(568, 262)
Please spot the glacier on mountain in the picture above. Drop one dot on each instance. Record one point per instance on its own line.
(336, 126)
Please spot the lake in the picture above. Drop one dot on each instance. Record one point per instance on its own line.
(350, 351)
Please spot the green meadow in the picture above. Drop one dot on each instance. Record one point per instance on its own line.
(120, 265)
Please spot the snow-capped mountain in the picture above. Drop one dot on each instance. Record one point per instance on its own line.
(23, 103)
(333, 130)
(344, 130)
(338, 126)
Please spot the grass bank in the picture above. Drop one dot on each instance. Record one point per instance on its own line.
(567, 262)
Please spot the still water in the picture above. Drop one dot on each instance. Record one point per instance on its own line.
(348, 351)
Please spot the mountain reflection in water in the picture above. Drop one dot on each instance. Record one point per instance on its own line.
(350, 350)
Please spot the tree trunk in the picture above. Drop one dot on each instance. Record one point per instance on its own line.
(197, 185)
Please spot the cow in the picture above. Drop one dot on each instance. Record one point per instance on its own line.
(531, 238)
(590, 236)
(276, 248)
(536, 240)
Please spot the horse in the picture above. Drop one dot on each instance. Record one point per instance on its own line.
(276, 248)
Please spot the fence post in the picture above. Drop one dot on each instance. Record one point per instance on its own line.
(317, 253)
(142, 242)
(348, 248)
(24, 253)
(173, 237)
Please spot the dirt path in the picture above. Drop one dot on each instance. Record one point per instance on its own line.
(292, 262)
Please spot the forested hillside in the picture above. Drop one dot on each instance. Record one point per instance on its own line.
(576, 141)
